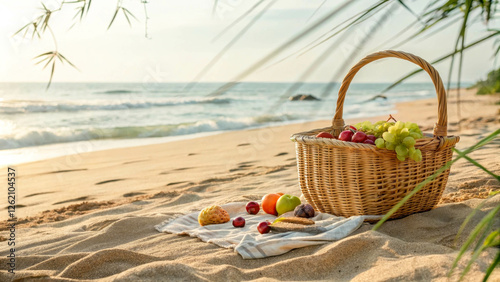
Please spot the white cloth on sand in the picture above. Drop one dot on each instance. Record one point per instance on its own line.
(249, 243)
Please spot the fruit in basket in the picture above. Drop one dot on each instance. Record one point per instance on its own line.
(409, 141)
(415, 154)
(287, 203)
(369, 141)
(359, 137)
(213, 215)
(269, 203)
(380, 143)
(239, 222)
(371, 137)
(324, 135)
(264, 227)
(389, 137)
(252, 207)
(304, 210)
(346, 135)
(395, 136)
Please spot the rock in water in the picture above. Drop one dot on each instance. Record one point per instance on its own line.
(303, 97)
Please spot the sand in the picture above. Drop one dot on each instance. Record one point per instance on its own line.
(92, 215)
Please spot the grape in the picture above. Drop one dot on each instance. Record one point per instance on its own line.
(393, 130)
(379, 129)
(415, 135)
(401, 150)
(409, 141)
(404, 132)
(399, 125)
(380, 143)
(418, 155)
(364, 126)
(395, 136)
(389, 137)
(390, 146)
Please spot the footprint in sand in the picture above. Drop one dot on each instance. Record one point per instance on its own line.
(66, 170)
(136, 161)
(19, 206)
(245, 188)
(37, 194)
(131, 194)
(281, 154)
(182, 168)
(243, 144)
(240, 167)
(109, 181)
(73, 200)
(175, 183)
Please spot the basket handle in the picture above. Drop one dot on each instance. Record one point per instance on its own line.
(440, 128)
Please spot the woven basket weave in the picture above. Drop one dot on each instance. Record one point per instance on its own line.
(347, 179)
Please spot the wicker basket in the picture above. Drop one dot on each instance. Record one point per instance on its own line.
(346, 179)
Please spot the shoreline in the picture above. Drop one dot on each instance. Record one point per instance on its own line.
(23, 155)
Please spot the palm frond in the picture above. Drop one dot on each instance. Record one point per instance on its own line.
(214, 8)
(281, 48)
(492, 266)
(410, 10)
(355, 51)
(114, 16)
(487, 37)
(481, 229)
(497, 177)
(445, 21)
(300, 50)
(81, 10)
(460, 37)
(51, 74)
(126, 13)
(316, 11)
(363, 17)
(51, 57)
(63, 59)
(221, 53)
(236, 21)
(25, 28)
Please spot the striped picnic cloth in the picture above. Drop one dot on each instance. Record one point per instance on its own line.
(249, 243)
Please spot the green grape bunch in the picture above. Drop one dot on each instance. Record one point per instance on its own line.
(395, 136)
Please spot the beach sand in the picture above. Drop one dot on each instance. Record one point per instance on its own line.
(92, 215)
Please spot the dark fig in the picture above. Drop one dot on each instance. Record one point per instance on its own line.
(304, 210)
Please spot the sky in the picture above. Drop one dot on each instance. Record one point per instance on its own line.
(181, 42)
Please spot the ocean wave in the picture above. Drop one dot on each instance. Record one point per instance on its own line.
(37, 137)
(27, 106)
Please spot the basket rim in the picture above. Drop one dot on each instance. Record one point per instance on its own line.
(308, 137)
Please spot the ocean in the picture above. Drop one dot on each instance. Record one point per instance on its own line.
(38, 124)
